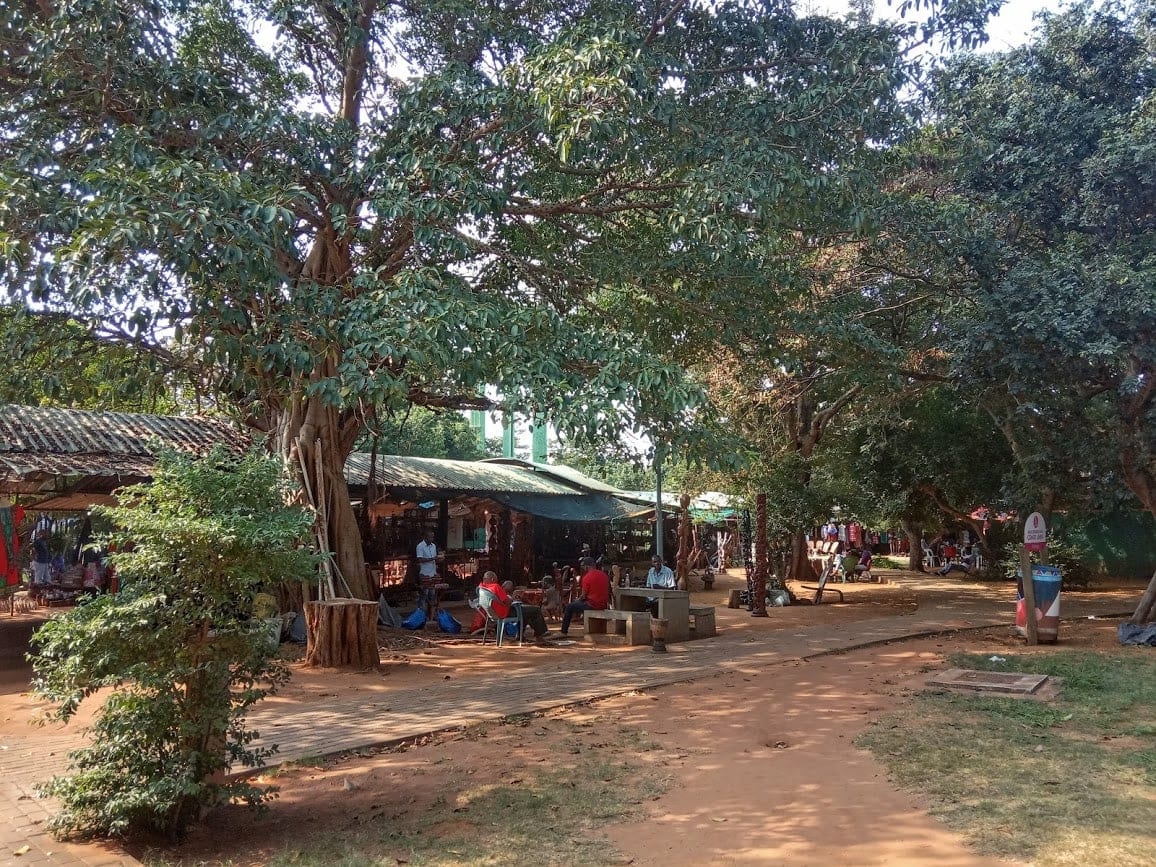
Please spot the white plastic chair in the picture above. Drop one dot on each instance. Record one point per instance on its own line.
(486, 601)
(930, 561)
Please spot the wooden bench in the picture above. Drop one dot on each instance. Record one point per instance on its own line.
(702, 621)
(617, 627)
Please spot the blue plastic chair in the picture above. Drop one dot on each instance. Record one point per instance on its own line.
(486, 601)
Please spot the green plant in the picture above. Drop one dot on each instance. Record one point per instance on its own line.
(179, 645)
(1066, 552)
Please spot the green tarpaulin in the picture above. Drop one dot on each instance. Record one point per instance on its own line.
(577, 508)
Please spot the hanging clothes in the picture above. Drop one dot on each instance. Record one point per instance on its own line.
(10, 518)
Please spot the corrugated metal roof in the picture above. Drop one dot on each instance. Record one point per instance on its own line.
(467, 477)
(56, 441)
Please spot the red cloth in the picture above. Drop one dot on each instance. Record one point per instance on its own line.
(595, 586)
(479, 621)
(502, 600)
(10, 549)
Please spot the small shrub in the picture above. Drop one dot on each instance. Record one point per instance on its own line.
(1068, 554)
(179, 645)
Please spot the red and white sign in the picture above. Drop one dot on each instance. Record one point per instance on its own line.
(1035, 532)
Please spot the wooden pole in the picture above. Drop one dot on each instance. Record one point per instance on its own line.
(759, 591)
(1029, 596)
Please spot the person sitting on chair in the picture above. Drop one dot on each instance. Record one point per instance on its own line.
(551, 599)
(963, 565)
(660, 577)
(504, 600)
(863, 567)
(594, 593)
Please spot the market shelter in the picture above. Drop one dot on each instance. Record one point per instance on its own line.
(56, 464)
(512, 517)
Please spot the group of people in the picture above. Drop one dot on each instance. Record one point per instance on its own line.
(594, 594)
(956, 558)
(593, 591)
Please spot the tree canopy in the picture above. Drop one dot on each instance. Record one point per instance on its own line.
(326, 209)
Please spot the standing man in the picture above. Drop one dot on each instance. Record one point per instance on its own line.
(41, 559)
(594, 593)
(427, 573)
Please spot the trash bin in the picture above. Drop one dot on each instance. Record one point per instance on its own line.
(1046, 581)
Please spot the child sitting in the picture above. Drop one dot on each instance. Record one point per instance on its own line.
(551, 599)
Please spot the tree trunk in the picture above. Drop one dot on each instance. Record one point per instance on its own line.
(314, 440)
(342, 634)
(682, 559)
(914, 546)
(759, 591)
(1146, 611)
(800, 568)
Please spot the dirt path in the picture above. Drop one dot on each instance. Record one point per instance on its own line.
(760, 762)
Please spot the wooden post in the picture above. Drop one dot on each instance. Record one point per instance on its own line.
(341, 633)
(1029, 595)
(1146, 611)
(759, 590)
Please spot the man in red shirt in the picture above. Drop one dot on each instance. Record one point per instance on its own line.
(594, 589)
(503, 601)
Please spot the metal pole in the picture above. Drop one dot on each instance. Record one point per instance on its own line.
(658, 500)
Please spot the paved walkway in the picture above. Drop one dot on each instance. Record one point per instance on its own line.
(360, 722)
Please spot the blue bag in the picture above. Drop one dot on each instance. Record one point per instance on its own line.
(448, 623)
(415, 620)
(511, 629)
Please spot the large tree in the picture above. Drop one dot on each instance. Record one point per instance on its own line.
(326, 209)
(1047, 161)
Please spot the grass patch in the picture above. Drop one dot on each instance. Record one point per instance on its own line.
(551, 814)
(510, 814)
(1067, 782)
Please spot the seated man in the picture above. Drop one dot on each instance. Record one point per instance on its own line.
(660, 577)
(847, 565)
(593, 593)
(864, 564)
(961, 565)
(504, 601)
(551, 598)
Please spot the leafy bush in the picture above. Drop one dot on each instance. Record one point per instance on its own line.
(1066, 552)
(179, 646)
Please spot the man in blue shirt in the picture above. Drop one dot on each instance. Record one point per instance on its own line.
(41, 559)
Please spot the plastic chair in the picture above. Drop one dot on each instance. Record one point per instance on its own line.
(847, 567)
(930, 561)
(486, 601)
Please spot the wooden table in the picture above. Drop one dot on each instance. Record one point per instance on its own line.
(673, 606)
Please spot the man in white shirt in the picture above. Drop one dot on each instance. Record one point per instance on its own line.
(427, 571)
(659, 575)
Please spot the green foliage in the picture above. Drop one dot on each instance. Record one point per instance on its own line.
(1046, 179)
(424, 433)
(291, 225)
(180, 645)
(615, 464)
(56, 361)
(1068, 550)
